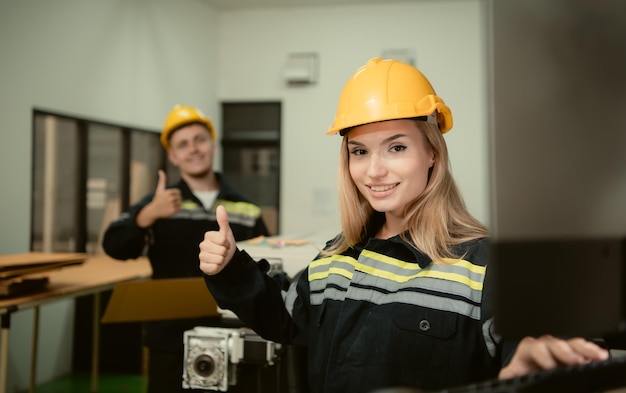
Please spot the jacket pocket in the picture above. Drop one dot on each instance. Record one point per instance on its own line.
(426, 339)
(431, 323)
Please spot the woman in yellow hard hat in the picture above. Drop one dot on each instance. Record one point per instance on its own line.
(399, 298)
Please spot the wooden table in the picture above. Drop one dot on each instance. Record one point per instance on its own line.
(95, 275)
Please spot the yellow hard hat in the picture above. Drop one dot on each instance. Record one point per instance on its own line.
(182, 115)
(386, 90)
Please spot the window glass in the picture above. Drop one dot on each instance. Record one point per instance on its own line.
(54, 194)
(85, 174)
(146, 155)
(103, 182)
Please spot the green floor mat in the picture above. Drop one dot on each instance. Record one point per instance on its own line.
(106, 384)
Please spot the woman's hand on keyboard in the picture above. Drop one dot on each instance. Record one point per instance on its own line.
(548, 352)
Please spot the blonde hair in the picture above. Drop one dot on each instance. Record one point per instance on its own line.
(435, 221)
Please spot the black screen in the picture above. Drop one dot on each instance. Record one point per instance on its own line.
(557, 143)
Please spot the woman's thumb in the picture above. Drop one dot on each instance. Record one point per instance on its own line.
(222, 219)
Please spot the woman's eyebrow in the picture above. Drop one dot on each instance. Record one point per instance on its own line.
(386, 140)
(393, 137)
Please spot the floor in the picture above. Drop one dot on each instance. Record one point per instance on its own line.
(82, 384)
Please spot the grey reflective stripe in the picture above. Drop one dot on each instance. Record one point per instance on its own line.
(241, 219)
(290, 297)
(198, 213)
(384, 280)
(396, 272)
(406, 297)
(428, 283)
(329, 294)
(244, 213)
(472, 272)
(336, 264)
(123, 216)
(323, 265)
(492, 340)
(332, 279)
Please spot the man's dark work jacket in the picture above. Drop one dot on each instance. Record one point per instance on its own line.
(173, 247)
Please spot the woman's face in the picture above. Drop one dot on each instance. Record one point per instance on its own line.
(389, 163)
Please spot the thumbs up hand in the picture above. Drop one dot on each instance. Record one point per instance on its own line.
(165, 203)
(218, 247)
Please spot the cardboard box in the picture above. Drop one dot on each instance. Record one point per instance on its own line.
(154, 300)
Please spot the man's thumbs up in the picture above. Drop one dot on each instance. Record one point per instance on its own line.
(165, 203)
(218, 247)
(162, 182)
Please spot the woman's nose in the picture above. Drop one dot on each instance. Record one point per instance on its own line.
(376, 166)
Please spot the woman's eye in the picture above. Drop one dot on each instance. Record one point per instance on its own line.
(398, 148)
(357, 152)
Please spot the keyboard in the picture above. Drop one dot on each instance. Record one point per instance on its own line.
(595, 377)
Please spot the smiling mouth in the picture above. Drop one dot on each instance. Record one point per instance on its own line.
(195, 158)
(383, 188)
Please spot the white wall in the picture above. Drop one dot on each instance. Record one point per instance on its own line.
(129, 61)
(447, 39)
(120, 61)
(125, 62)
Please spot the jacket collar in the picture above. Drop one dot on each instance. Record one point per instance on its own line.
(369, 241)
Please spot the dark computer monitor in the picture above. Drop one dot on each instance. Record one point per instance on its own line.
(557, 143)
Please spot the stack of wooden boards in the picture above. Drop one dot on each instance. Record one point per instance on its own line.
(26, 272)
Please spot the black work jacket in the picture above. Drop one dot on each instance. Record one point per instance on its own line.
(172, 245)
(380, 315)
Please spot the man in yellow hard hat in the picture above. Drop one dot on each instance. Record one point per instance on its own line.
(171, 222)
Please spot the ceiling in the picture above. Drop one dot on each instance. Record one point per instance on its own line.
(234, 4)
